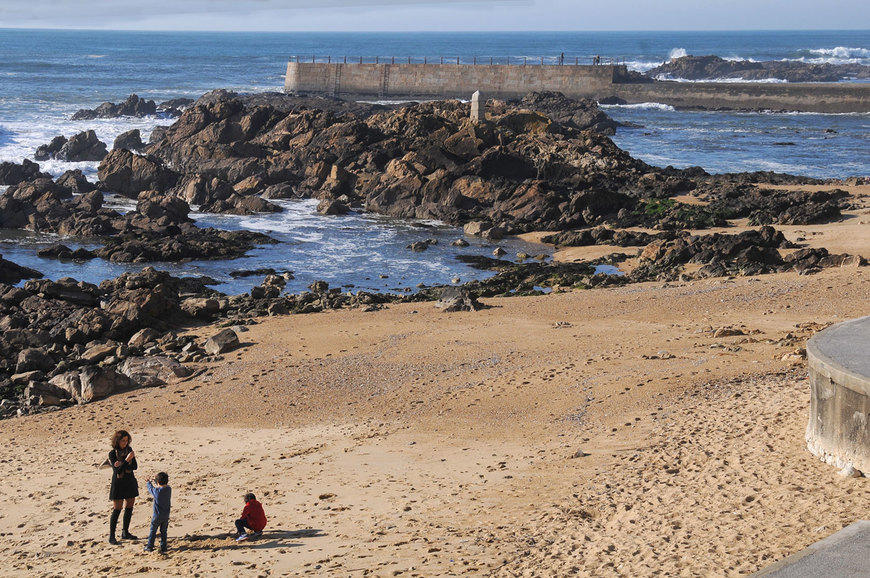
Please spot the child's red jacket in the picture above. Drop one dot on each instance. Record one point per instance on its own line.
(255, 516)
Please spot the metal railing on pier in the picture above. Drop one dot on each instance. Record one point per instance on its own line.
(559, 60)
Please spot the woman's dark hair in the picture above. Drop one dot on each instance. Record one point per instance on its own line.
(249, 497)
(162, 478)
(116, 439)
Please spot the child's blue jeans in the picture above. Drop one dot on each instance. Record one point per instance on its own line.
(163, 526)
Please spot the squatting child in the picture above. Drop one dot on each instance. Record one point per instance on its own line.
(253, 518)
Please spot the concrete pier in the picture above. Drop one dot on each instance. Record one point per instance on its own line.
(428, 81)
(839, 365)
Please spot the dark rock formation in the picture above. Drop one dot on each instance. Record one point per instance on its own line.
(524, 169)
(716, 68)
(76, 182)
(12, 273)
(158, 230)
(580, 114)
(84, 146)
(133, 106)
(130, 140)
(173, 107)
(48, 151)
(128, 174)
(747, 253)
(13, 173)
(225, 341)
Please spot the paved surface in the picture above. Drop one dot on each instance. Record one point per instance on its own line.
(847, 345)
(845, 554)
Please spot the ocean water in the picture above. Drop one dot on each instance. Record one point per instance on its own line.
(45, 76)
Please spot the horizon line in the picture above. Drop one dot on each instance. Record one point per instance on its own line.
(501, 31)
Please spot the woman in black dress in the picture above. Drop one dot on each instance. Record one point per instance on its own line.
(124, 488)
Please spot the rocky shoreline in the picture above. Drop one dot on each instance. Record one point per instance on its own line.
(710, 67)
(544, 163)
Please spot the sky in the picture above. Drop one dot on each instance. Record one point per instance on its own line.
(447, 15)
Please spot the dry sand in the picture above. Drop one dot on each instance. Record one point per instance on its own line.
(607, 432)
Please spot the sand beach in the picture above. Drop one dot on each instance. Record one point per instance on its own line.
(654, 429)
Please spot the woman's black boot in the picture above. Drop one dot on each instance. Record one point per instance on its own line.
(113, 525)
(125, 533)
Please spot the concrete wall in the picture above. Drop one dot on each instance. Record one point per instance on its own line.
(432, 81)
(839, 367)
(445, 80)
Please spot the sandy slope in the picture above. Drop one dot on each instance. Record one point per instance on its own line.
(419, 443)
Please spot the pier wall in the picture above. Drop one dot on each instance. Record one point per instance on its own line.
(387, 80)
(601, 82)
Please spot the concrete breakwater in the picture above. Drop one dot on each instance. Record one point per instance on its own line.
(606, 82)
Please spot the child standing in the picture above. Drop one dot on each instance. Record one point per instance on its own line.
(162, 494)
(253, 518)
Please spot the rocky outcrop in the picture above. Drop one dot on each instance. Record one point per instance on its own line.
(754, 252)
(524, 169)
(84, 146)
(48, 151)
(12, 273)
(13, 173)
(580, 114)
(128, 174)
(716, 68)
(132, 106)
(158, 230)
(75, 182)
(130, 140)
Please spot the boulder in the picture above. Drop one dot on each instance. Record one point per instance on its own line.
(12, 273)
(46, 393)
(142, 337)
(48, 151)
(76, 182)
(84, 146)
(457, 299)
(201, 307)
(129, 174)
(153, 371)
(98, 382)
(97, 353)
(226, 340)
(130, 140)
(332, 207)
(32, 359)
(69, 382)
(28, 376)
(12, 173)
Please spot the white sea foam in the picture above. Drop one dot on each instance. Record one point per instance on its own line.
(642, 65)
(20, 139)
(677, 53)
(842, 53)
(641, 106)
(671, 78)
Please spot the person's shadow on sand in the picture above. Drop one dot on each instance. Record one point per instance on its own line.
(268, 539)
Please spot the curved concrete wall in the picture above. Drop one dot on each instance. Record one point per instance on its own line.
(431, 81)
(839, 366)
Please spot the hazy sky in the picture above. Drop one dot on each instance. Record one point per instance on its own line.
(405, 15)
